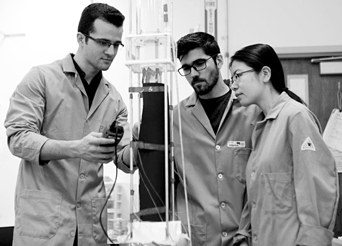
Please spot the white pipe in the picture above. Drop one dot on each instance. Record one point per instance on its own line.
(182, 158)
(166, 144)
(172, 153)
(131, 159)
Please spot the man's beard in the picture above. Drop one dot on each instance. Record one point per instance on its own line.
(206, 87)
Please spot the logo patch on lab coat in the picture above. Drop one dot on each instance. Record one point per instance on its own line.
(235, 144)
(308, 145)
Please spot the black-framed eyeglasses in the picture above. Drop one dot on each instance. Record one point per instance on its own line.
(236, 77)
(104, 43)
(198, 65)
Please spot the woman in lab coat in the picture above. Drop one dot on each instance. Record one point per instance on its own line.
(291, 175)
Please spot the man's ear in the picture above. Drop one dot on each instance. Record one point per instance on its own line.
(219, 60)
(80, 39)
(266, 73)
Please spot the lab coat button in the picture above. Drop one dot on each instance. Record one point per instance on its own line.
(252, 174)
(82, 176)
(78, 205)
(72, 233)
(223, 204)
(224, 234)
(253, 204)
(220, 176)
(218, 147)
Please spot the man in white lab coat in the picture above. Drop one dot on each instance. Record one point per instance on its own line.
(54, 124)
(216, 135)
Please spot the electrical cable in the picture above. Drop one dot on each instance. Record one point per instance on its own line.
(115, 180)
(111, 190)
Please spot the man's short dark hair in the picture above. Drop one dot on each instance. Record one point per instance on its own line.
(101, 11)
(197, 40)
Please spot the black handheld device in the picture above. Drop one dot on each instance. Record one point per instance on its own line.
(114, 131)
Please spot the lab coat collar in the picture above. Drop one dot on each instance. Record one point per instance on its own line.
(100, 95)
(278, 106)
(198, 111)
(192, 100)
(69, 67)
(102, 90)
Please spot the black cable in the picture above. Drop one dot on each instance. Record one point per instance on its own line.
(111, 190)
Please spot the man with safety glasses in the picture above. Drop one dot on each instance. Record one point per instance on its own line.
(55, 123)
(216, 135)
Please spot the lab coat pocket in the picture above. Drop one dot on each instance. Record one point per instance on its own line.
(278, 192)
(241, 156)
(39, 213)
(96, 207)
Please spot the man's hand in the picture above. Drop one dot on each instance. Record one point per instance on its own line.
(95, 148)
(240, 240)
(244, 243)
(135, 131)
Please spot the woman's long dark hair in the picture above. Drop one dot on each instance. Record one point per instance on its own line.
(257, 56)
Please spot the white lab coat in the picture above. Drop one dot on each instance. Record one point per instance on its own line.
(291, 179)
(215, 169)
(52, 200)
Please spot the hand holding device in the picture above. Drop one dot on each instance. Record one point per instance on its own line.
(114, 131)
